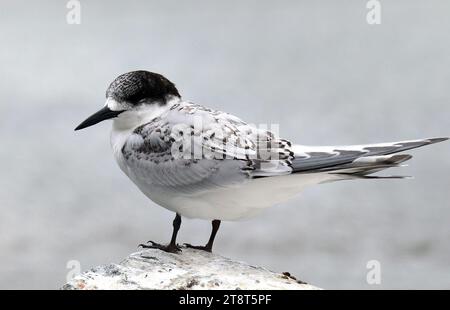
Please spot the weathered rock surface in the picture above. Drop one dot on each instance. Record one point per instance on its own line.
(189, 270)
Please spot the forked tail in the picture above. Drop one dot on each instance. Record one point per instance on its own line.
(359, 161)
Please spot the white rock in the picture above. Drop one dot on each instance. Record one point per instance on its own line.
(190, 270)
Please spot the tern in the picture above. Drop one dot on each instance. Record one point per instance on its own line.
(207, 164)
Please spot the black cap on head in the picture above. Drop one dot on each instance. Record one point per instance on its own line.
(135, 86)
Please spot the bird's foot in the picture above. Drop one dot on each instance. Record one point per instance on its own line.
(171, 248)
(199, 247)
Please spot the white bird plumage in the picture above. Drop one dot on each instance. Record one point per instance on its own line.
(207, 164)
(234, 188)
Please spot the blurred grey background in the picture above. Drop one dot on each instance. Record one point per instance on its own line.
(315, 67)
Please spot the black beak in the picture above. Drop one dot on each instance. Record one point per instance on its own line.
(103, 114)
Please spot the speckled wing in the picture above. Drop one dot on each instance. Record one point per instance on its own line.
(191, 148)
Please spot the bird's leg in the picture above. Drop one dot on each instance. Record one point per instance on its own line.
(172, 247)
(209, 245)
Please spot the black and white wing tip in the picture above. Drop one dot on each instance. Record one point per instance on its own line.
(357, 161)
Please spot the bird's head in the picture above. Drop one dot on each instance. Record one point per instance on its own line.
(131, 94)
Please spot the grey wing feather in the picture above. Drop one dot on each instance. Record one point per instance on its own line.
(332, 158)
(229, 150)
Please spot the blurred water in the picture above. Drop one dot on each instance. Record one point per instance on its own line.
(315, 67)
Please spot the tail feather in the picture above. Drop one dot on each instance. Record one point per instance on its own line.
(355, 161)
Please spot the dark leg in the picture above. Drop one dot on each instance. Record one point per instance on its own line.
(209, 245)
(172, 247)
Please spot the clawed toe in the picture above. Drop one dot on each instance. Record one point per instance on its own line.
(198, 247)
(171, 248)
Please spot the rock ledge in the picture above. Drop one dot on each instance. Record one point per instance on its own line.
(190, 270)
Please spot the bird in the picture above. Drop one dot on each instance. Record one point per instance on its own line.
(207, 164)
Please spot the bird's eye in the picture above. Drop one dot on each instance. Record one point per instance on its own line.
(143, 100)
